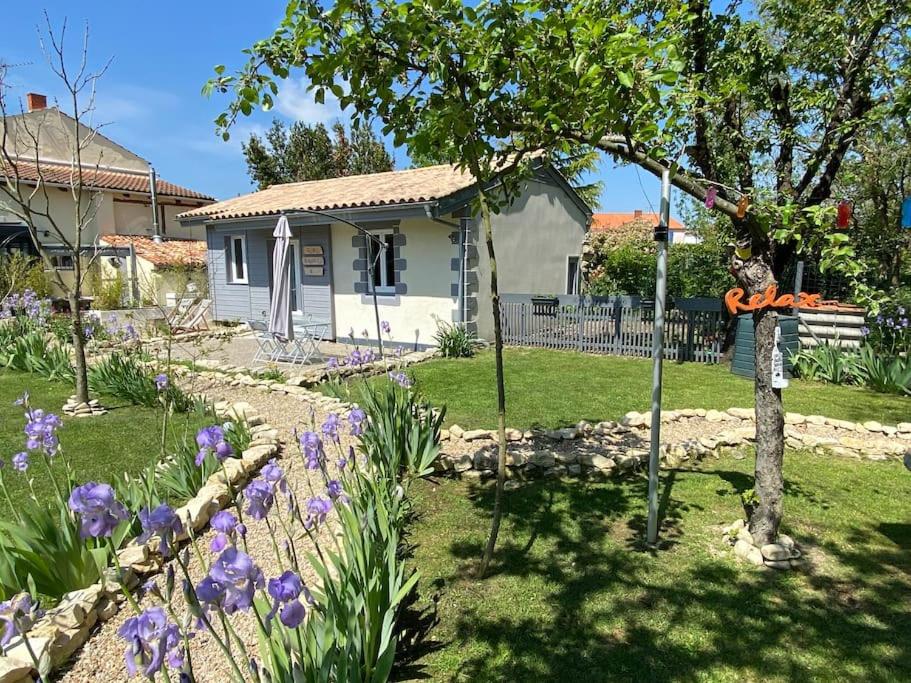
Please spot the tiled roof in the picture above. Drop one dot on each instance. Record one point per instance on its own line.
(100, 179)
(371, 190)
(602, 222)
(165, 253)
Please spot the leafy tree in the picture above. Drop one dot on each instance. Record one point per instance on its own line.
(302, 152)
(875, 181)
(753, 110)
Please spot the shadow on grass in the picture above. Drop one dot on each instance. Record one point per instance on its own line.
(612, 610)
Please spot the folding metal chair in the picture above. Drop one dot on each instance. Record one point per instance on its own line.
(266, 346)
(307, 337)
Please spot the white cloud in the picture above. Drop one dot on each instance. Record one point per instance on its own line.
(297, 102)
(124, 103)
(207, 142)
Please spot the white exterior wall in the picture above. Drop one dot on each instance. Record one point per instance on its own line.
(534, 239)
(412, 316)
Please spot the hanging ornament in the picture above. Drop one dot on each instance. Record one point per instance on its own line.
(779, 381)
(710, 195)
(742, 206)
(843, 218)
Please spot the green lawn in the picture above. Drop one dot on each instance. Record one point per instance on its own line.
(573, 597)
(101, 448)
(555, 388)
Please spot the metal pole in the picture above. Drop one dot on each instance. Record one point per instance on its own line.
(658, 356)
(153, 190)
(381, 248)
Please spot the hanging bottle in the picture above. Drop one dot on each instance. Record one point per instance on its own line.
(779, 381)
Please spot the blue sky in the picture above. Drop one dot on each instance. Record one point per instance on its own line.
(150, 101)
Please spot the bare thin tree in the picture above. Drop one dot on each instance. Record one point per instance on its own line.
(26, 178)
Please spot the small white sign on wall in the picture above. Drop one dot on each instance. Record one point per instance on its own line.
(313, 250)
(314, 271)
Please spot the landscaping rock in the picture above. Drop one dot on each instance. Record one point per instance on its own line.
(599, 462)
(714, 416)
(742, 413)
(15, 670)
(749, 552)
(873, 426)
(462, 463)
(794, 419)
(775, 552)
(513, 434)
(456, 431)
(543, 459)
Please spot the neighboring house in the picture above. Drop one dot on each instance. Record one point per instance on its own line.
(165, 271)
(642, 222)
(116, 185)
(436, 265)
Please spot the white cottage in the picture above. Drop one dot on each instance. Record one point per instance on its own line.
(435, 267)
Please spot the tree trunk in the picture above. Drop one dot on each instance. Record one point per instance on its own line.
(501, 391)
(82, 381)
(756, 275)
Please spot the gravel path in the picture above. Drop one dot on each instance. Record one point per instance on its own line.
(102, 657)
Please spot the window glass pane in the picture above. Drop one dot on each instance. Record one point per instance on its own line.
(239, 258)
(375, 264)
(390, 262)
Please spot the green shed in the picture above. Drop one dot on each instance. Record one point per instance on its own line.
(744, 363)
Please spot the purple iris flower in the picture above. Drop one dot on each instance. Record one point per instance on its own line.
(274, 474)
(162, 521)
(385, 327)
(232, 581)
(356, 420)
(332, 363)
(41, 431)
(400, 378)
(335, 490)
(228, 530)
(864, 331)
(150, 638)
(317, 510)
(285, 591)
(161, 381)
(312, 447)
(261, 496)
(16, 616)
(22, 400)
(330, 427)
(212, 440)
(20, 462)
(98, 509)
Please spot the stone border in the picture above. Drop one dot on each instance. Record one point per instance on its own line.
(300, 383)
(66, 627)
(850, 442)
(783, 554)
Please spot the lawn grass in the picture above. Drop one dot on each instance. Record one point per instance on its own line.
(572, 595)
(101, 448)
(552, 389)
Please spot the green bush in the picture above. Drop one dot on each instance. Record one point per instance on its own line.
(825, 363)
(454, 340)
(693, 270)
(19, 273)
(834, 365)
(109, 295)
(124, 376)
(35, 352)
(886, 374)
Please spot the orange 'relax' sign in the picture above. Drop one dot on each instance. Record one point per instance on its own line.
(768, 299)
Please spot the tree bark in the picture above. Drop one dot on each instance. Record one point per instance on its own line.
(82, 381)
(501, 390)
(756, 275)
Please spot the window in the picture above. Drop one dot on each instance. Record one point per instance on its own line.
(237, 259)
(384, 276)
(572, 275)
(62, 261)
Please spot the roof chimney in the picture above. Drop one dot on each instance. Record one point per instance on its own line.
(637, 213)
(36, 101)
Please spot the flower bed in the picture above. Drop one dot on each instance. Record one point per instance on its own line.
(621, 446)
(37, 643)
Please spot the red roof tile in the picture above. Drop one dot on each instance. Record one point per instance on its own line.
(602, 222)
(99, 179)
(165, 253)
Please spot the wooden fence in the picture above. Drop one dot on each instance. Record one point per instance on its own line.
(618, 325)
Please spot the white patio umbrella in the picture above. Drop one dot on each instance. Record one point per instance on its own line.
(280, 306)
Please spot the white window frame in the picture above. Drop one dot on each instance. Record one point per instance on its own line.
(578, 273)
(232, 262)
(386, 289)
